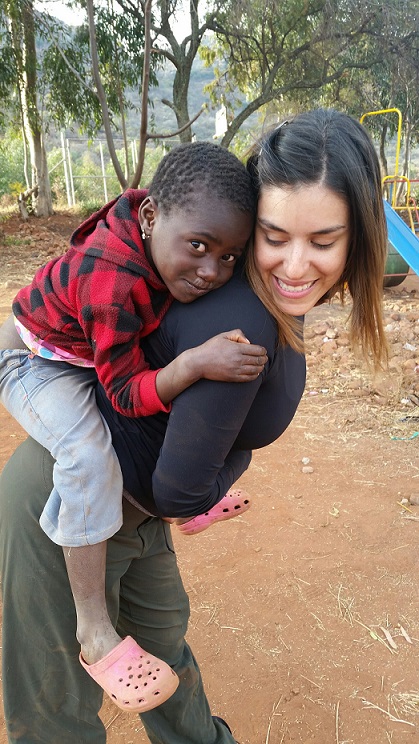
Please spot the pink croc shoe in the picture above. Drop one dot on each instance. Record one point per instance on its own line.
(231, 505)
(133, 679)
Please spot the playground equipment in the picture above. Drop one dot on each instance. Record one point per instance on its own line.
(403, 249)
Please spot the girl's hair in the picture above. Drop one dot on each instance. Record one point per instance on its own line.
(332, 149)
(202, 167)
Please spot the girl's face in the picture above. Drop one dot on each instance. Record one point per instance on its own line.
(195, 249)
(301, 243)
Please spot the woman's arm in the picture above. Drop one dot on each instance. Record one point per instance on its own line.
(181, 464)
(208, 438)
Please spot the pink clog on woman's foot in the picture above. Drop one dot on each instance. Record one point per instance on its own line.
(133, 679)
(231, 505)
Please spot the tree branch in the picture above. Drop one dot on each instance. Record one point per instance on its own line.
(102, 96)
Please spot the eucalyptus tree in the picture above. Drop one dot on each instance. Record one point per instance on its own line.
(391, 81)
(120, 57)
(90, 72)
(287, 55)
(19, 47)
(180, 53)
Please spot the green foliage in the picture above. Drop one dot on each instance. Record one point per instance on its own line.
(11, 164)
(67, 73)
(7, 73)
(16, 188)
(85, 208)
(67, 99)
(308, 53)
(65, 83)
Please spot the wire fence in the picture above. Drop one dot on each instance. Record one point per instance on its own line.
(84, 171)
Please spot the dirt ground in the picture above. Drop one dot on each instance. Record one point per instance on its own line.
(305, 613)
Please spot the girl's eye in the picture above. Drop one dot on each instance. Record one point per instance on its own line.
(229, 258)
(198, 246)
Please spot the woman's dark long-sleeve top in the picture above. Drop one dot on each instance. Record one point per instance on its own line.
(181, 464)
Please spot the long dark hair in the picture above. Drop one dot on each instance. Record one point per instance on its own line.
(327, 147)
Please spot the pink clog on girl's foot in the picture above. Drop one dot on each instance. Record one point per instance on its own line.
(231, 505)
(133, 679)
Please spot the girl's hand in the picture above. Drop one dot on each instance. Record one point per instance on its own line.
(230, 357)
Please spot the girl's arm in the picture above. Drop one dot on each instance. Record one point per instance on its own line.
(227, 357)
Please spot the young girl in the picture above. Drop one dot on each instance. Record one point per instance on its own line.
(85, 314)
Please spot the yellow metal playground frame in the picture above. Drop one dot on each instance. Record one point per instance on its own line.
(410, 205)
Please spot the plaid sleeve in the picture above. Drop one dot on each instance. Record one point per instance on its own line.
(114, 327)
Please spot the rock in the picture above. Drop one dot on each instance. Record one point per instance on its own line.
(329, 348)
(332, 333)
(320, 330)
(387, 388)
(354, 384)
(343, 339)
(395, 364)
(381, 400)
(414, 499)
(12, 284)
(409, 365)
(307, 469)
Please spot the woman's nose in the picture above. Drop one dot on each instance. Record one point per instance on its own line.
(295, 260)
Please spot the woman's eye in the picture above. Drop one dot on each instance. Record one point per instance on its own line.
(198, 246)
(322, 245)
(275, 241)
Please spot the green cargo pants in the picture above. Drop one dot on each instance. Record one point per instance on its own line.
(48, 697)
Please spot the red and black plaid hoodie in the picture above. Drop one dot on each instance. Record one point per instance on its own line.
(99, 300)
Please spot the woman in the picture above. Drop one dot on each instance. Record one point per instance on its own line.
(320, 227)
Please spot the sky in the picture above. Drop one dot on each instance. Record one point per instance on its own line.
(58, 9)
(74, 17)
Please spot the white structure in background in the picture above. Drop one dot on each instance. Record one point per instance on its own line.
(220, 121)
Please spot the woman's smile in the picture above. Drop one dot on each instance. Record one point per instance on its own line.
(301, 244)
(295, 290)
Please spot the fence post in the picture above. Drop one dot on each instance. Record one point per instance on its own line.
(102, 162)
(70, 170)
(134, 154)
(67, 182)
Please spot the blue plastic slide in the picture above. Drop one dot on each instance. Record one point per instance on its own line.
(402, 238)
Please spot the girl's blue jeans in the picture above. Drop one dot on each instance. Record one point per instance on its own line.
(55, 403)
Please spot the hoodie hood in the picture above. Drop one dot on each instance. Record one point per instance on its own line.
(114, 234)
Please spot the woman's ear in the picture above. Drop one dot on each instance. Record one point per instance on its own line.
(147, 215)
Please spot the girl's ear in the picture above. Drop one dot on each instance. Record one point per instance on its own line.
(147, 215)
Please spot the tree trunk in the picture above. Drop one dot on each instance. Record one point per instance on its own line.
(41, 196)
(144, 96)
(102, 96)
(180, 100)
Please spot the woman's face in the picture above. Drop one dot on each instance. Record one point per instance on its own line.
(301, 244)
